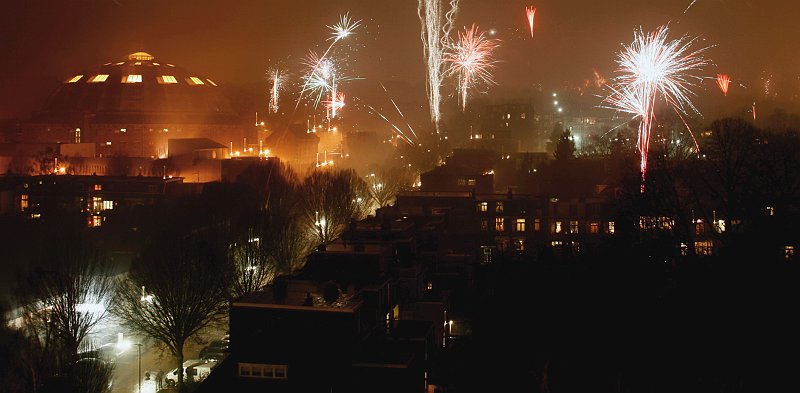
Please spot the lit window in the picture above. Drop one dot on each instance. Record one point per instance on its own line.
(120, 63)
(97, 204)
(499, 224)
(165, 130)
(611, 227)
(522, 116)
(461, 182)
(77, 135)
(108, 205)
(430, 285)
(537, 224)
(75, 79)
(108, 143)
(96, 221)
(557, 227)
(193, 80)
(573, 226)
(484, 224)
(470, 182)
(123, 130)
(684, 249)
(132, 79)
(268, 371)
(788, 252)
(166, 79)
(594, 228)
(576, 248)
(498, 208)
(211, 82)
(98, 187)
(154, 63)
(483, 206)
(98, 78)
(519, 244)
(556, 243)
(23, 201)
(719, 226)
(699, 227)
(704, 247)
(487, 254)
(520, 225)
(769, 210)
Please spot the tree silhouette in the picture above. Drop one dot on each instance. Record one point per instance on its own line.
(330, 200)
(178, 286)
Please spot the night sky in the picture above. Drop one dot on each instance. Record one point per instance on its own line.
(234, 42)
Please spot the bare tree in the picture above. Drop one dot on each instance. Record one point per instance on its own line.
(330, 199)
(253, 267)
(177, 287)
(66, 296)
(384, 184)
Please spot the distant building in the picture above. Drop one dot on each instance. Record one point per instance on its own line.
(132, 108)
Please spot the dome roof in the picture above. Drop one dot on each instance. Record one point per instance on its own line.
(138, 89)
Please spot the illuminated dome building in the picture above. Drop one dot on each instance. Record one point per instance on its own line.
(133, 108)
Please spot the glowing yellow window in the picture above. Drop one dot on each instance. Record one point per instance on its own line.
(211, 82)
(75, 79)
(167, 79)
(132, 79)
(98, 78)
(193, 80)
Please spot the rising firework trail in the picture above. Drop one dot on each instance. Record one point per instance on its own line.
(723, 81)
(394, 127)
(276, 77)
(436, 26)
(530, 12)
(398, 110)
(652, 67)
(472, 60)
(754, 111)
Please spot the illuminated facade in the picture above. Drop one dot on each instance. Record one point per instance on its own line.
(132, 108)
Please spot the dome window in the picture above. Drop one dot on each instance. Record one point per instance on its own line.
(98, 78)
(211, 82)
(195, 81)
(132, 79)
(75, 79)
(166, 79)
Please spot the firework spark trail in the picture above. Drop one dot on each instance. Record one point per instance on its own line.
(472, 59)
(530, 12)
(651, 67)
(335, 104)
(690, 6)
(754, 111)
(341, 30)
(396, 129)
(435, 32)
(399, 111)
(723, 81)
(277, 85)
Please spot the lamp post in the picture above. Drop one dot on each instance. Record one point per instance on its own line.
(139, 380)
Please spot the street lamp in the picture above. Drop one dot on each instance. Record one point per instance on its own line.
(139, 380)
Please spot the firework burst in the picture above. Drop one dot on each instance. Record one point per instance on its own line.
(653, 67)
(530, 12)
(335, 104)
(344, 28)
(472, 59)
(723, 81)
(436, 27)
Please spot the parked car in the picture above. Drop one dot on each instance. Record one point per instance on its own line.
(194, 370)
(215, 350)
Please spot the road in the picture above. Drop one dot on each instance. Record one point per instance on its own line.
(126, 371)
